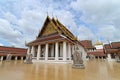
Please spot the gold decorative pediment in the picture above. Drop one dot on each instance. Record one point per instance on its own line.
(48, 29)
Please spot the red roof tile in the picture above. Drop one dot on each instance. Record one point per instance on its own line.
(87, 44)
(5, 50)
(115, 44)
(113, 47)
(107, 46)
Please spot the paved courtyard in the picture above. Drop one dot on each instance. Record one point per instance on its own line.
(94, 70)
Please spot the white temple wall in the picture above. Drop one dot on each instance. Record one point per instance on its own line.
(99, 46)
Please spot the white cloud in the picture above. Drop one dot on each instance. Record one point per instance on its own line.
(23, 19)
(8, 33)
(1, 44)
(7, 30)
(85, 33)
(103, 15)
(10, 17)
(109, 32)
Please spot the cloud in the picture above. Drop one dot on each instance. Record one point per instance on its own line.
(1, 44)
(7, 30)
(86, 19)
(22, 20)
(85, 33)
(102, 15)
(8, 33)
(10, 17)
(109, 32)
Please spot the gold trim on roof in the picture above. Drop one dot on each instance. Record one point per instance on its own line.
(59, 27)
(65, 31)
(47, 30)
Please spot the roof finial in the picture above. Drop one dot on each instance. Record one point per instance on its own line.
(47, 13)
(25, 42)
(52, 15)
(56, 17)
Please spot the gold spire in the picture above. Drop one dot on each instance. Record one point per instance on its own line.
(98, 43)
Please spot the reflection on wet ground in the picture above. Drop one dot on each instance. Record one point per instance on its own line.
(94, 70)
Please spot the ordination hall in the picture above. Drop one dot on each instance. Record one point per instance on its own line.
(54, 43)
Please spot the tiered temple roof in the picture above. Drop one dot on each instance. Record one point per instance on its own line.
(91, 49)
(51, 31)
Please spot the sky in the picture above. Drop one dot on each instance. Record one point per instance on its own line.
(21, 20)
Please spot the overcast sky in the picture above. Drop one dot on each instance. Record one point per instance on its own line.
(21, 20)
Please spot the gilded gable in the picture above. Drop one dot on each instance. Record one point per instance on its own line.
(48, 29)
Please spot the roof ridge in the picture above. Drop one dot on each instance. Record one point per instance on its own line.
(12, 47)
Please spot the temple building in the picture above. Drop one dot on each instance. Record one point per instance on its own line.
(54, 43)
(88, 45)
(94, 51)
(15, 53)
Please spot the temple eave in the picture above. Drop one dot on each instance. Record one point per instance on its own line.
(112, 50)
(51, 41)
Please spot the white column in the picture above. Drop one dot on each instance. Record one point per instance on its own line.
(21, 58)
(28, 50)
(52, 51)
(46, 52)
(38, 52)
(1, 58)
(69, 51)
(64, 51)
(33, 51)
(16, 58)
(56, 51)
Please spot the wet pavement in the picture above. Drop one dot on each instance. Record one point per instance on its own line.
(94, 70)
